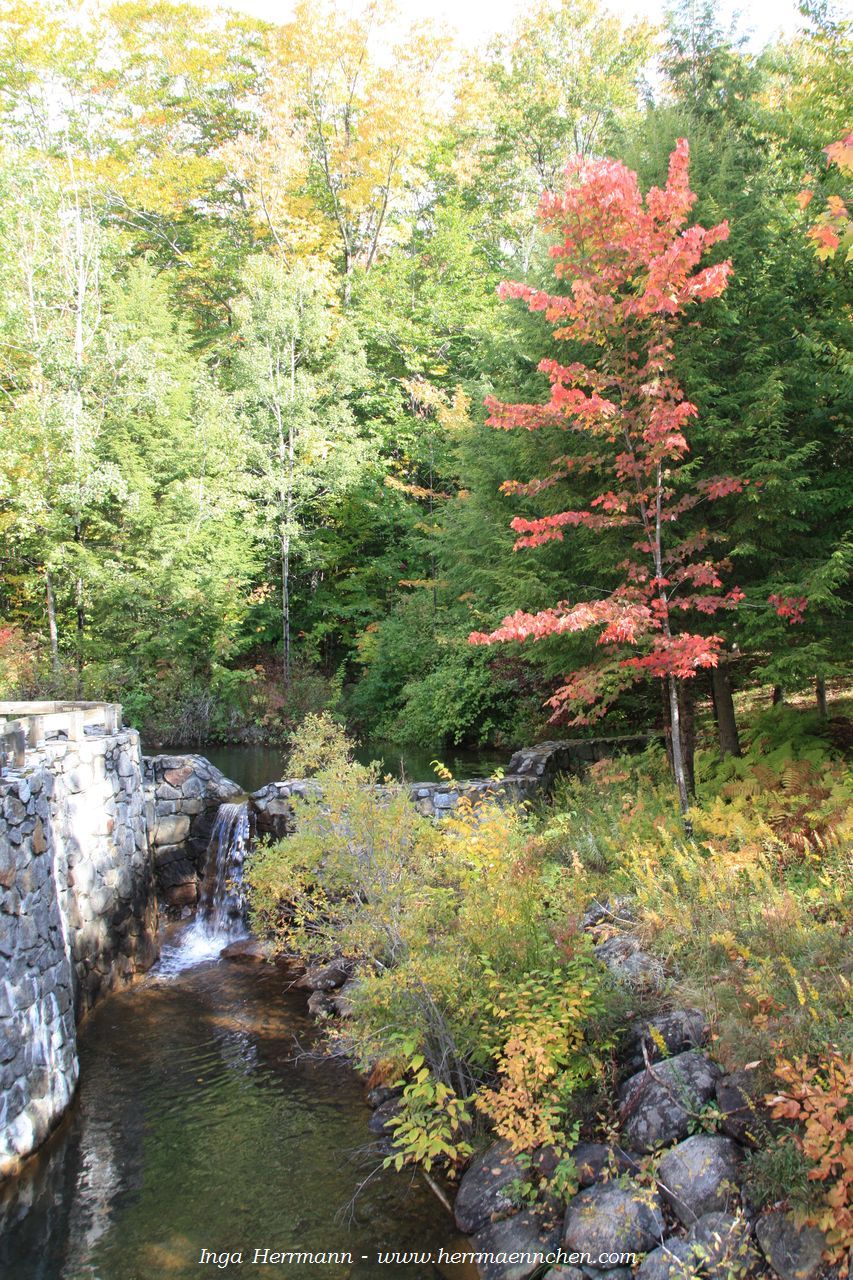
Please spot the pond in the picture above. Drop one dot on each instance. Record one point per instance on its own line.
(253, 767)
(205, 1121)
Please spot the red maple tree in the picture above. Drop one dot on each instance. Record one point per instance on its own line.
(632, 268)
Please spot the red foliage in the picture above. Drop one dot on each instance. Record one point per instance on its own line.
(632, 269)
(792, 608)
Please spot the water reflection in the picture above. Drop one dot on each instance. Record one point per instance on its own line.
(200, 1123)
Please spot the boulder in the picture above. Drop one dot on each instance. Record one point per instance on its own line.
(320, 1005)
(700, 1175)
(342, 999)
(658, 1104)
(323, 977)
(593, 1160)
(662, 1036)
(563, 1273)
(670, 1261)
(611, 1218)
(246, 951)
(182, 895)
(611, 911)
(629, 964)
(382, 1092)
(381, 1119)
(744, 1119)
(176, 872)
(485, 1191)
(722, 1247)
(794, 1253)
(526, 1238)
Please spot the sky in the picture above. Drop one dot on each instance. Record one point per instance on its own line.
(477, 20)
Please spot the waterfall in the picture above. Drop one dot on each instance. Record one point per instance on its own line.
(220, 916)
(221, 903)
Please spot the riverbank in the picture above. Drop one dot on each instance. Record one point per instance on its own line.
(526, 956)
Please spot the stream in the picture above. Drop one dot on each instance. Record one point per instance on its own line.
(202, 1122)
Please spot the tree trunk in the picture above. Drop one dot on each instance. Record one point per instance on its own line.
(688, 732)
(51, 624)
(778, 694)
(285, 601)
(678, 751)
(724, 711)
(820, 694)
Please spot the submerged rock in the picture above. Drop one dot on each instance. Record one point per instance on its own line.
(609, 1218)
(700, 1175)
(657, 1105)
(486, 1189)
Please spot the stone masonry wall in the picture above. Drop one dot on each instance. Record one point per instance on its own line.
(77, 916)
(184, 793)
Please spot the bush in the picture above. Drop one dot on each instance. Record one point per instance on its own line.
(454, 931)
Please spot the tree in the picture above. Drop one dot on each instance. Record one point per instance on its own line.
(630, 271)
(363, 117)
(551, 89)
(295, 369)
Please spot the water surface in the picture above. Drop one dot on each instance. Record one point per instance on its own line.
(203, 1122)
(254, 767)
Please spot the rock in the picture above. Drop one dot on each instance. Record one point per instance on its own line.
(323, 977)
(320, 1005)
(629, 964)
(593, 1159)
(657, 1105)
(246, 951)
(382, 1093)
(721, 1246)
(663, 1036)
(611, 1273)
(794, 1253)
(610, 1218)
(171, 828)
(612, 910)
(383, 1115)
(670, 1261)
(700, 1175)
(563, 1273)
(743, 1118)
(526, 1236)
(485, 1190)
(182, 895)
(177, 872)
(342, 999)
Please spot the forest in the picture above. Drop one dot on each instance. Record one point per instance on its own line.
(263, 380)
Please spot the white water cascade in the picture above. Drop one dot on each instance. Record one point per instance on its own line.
(220, 915)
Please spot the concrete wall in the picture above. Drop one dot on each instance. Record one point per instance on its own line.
(78, 916)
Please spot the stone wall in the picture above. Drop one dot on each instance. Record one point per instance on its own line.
(78, 915)
(184, 793)
(530, 774)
